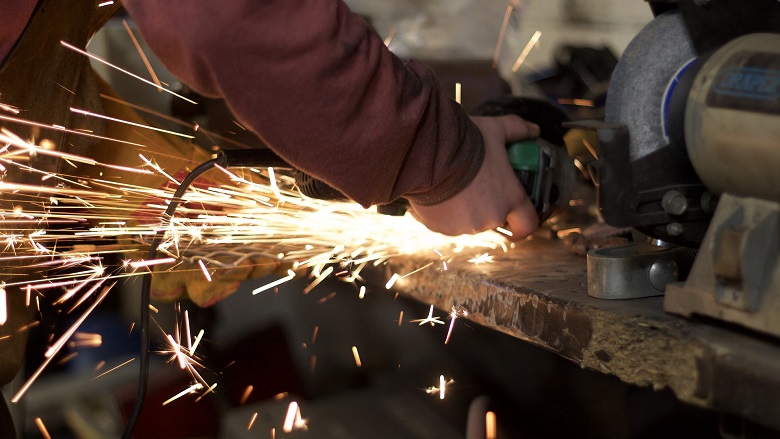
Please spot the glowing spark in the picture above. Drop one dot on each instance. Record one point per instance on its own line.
(504, 231)
(197, 342)
(192, 389)
(154, 309)
(42, 428)
(293, 418)
(392, 280)
(150, 262)
(251, 422)
(204, 270)
(272, 180)
(319, 279)
(290, 275)
(484, 258)
(3, 307)
(390, 36)
(142, 54)
(442, 386)
(101, 60)
(110, 2)
(590, 148)
(362, 293)
(400, 318)
(430, 319)
(9, 108)
(187, 334)
(113, 368)
(458, 89)
(314, 334)
(501, 33)
(127, 122)
(178, 353)
(454, 314)
(209, 390)
(491, 431)
(245, 395)
(64, 130)
(441, 390)
(356, 355)
(60, 343)
(531, 43)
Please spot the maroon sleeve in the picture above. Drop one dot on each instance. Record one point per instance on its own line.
(321, 89)
(14, 16)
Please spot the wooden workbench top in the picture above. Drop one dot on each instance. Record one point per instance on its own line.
(537, 292)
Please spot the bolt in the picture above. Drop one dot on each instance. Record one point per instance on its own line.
(663, 272)
(674, 203)
(708, 202)
(674, 229)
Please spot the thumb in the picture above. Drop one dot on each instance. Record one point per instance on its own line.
(516, 128)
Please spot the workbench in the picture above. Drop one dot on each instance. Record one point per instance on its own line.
(537, 292)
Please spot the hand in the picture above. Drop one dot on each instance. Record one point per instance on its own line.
(495, 198)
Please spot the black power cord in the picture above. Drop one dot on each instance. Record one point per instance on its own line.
(225, 159)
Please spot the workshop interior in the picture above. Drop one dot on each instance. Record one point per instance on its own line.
(645, 306)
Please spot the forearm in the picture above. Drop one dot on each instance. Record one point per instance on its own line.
(319, 86)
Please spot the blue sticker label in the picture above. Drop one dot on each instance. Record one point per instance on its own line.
(748, 82)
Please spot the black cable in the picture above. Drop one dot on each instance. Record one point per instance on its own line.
(143, 377)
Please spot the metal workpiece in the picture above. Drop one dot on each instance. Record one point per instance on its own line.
(736, 277)
(635, 270)
(732, 118)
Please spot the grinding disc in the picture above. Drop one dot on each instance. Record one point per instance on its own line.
(640, 81)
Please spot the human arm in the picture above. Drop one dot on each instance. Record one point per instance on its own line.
(321, 89)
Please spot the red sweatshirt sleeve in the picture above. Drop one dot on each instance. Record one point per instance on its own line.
(322, 90)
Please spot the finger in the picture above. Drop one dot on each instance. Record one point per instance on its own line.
(517, 128)
(522, 220)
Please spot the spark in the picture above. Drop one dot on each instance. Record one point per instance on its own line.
(245, 395)
(107, 3)
(42, 428)
(50, 354)
(65, 130)
(290, 275)
(150, 262)
(197, 342)
(356, 355)
(103, 61)
(490, 425)
(142, 54)
(454, 314)
(441, 389)
(314, 334)
(178, 352)
(318, 279)
(127, 122)
(400, 318)
(209, 390)
(577, 102)
(251, 422)
(293, 418)
(192, 389)
(458, 90)
(531, 43)
(430, 319)
(3, 307)
(392, 280)
(113, 368)
(504, 231)
(362, 292)
(501, 34)
(390, 36)
(204, 270)
(484, 258)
